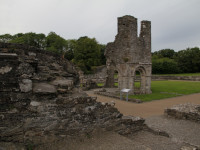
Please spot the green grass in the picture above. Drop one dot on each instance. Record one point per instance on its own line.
(181, 74)
(100, 84)
(167, 89)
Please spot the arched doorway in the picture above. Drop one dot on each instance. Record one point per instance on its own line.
(139, 81)
(116, 76)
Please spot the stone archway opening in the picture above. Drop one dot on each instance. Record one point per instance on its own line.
(116, 75)
(139, 80)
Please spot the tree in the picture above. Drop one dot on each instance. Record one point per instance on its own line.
(189, 60)
(56, 43)
(169, 53)
(102, 50)
(87, 53)
(69, 54)
(164, 66)
(31, 39)
(6, 38)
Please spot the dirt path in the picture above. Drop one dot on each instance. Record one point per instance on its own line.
(148, 109)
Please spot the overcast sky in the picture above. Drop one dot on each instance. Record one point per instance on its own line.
(175, 23)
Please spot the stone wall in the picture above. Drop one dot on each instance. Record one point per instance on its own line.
(189, 78)
(40, 103)
(186, 111)
(130, 53)
(99, 75)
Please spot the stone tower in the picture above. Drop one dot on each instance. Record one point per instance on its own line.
(128, 54)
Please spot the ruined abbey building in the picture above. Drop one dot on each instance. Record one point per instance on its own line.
(128, 54)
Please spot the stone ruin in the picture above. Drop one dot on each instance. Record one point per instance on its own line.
(129, 54)
(41, 102)
(185, 111)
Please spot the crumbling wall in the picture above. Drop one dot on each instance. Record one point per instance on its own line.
(99, 75)
(130, 53)
(29, 71)
(40, 103)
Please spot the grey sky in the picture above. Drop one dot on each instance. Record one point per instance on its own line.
(175, 23)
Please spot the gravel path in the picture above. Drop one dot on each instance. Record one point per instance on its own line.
(180, 131)
(184, 135)
(148, 109)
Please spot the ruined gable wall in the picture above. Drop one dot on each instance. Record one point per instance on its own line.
(127, 44)
(128, 53)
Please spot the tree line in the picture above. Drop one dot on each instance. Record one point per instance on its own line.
(85, 52)
(167, 61)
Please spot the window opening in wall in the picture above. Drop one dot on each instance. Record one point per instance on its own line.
(116, 78)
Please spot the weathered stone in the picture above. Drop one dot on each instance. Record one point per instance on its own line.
(5, 69)
(43, 88)
(26, 85)
(63, 82)
(31, 54)
(188, 148)
(11, 146)
(129, 54)
(89, 84)
(186, 111)
(99, 75)
(40, 104)
(35, 103)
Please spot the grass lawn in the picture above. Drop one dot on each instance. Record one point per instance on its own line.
(167, 89)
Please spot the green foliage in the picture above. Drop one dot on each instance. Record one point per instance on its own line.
(163, 62)
(56, 43)
(102, 50)
(87, 53)
(189, 60)
(169, 62)
(169, 53)
(167, 89)
(6, 38)
(32, 39)
(164, 66)
(69, 54)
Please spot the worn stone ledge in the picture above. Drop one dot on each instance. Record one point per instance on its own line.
(186, 111)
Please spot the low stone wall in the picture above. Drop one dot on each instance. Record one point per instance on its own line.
(185, 111)
(101, 79)
(95, 77)
(189, 78)
(114, 95)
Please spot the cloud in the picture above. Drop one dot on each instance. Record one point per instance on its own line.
(175, 24)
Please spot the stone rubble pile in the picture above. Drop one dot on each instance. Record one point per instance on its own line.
(186, 111)
(44, 121)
